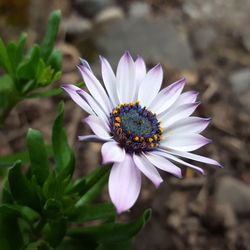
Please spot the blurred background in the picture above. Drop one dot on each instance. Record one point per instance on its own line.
(208, 43)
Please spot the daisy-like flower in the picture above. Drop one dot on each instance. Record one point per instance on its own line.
(143, 129)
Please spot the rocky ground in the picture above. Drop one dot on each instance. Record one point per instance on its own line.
(208, 43)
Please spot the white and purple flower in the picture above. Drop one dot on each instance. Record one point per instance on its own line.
(142, 128)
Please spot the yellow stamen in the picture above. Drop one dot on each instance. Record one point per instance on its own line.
(132, 104)
(152, 145)
(115, 112)
(141, 138)
(137, 102)
(117, 124)
(161, 129)
(136, 138)
(155, 137)
(118, 119)
(150, 139)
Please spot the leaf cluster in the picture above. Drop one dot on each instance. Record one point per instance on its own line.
(43, 207)
(27, 71)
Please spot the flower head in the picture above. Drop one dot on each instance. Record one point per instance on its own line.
(143, 129)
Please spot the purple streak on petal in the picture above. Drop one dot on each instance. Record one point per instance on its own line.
(148, 169)
(124, 184)
(91, 138)
(85, 63)
(112, 152)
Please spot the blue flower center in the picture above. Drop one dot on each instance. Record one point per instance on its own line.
(135, 128)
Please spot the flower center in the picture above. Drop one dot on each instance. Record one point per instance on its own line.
(135, 128)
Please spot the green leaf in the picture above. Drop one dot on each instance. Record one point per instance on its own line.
(10, 235)
(46, 94)
(8, 96)
(23, 191)
(39, 245)
(53, 209)
(38, 156)
(104, 211)
(28, 68)
(4, 59)
(50, 36)
(55, 60)
(112, 232)
(94, 190)
(9, 160)
(64, 156)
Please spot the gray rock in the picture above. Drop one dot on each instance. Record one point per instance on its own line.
(157, 40)
(89, 8)
(76, 25)
(235, 193)
(139, 9)
(203, 37)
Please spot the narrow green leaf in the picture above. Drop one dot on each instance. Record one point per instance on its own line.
(38, 156)
(64, 156)
(9, 228)
(113, 232)
(4, 59)
(50, 36)
(104, 211)
(94, 190)
(9, 160)
(23, 191)
(55, 60)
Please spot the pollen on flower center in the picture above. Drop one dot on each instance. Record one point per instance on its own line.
(135, 128)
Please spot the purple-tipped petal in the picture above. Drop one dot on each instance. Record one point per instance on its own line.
(95, 88)
(98, 127)
(150, 85)
(187, 142)
(148, 169)
(91, 138)
(195, 157)
(85, 63)
(177, 114)
(124, 184)
(188, 125)
(112, 152)
(126, 78)
(109, 80)
(173, 158)
(164, 164)
(72, 91)
(166, 97)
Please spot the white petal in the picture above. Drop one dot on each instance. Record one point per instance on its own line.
(171, 157)
(187, 142)
(177, 114)
(150, 85)
(85, 63)
(109, 80)
(72, 91)
(112, 152)
(148, 169)
(164, 164)
(95, 88)
(166, 97)
(188, 125)
(185, 98)
(140, 73)
(195, 157)
(98, 127)
(126, 87)
(91, 138)
(124, 184)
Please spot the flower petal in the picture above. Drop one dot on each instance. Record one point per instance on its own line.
(164, 164)
(187, 142)
(98, 127)
(140, 73)
(91, 138)
(166, 97)
(124, 184)
(195, 157)
(95, 88)
(112, 152)
(173, 158)
(72, 91)
(177, 114)
(85, 63)
(109, 80)
(150, 85)
(148, 169)
(126, 78)
(188, 125)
